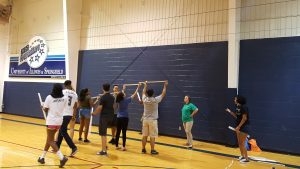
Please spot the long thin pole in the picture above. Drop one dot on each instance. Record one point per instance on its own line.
(42, 104)
(162, 81)
(91, 121)
(132, 84)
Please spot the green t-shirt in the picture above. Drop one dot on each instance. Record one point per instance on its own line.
(186, 112)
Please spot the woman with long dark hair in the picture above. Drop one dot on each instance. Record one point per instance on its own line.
(85, 104)
(122, 116)
(242, 120)
(54, 106)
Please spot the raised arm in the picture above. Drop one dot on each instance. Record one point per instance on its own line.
(124, 88)
(136, 90)
(145, 88)
(164, 91)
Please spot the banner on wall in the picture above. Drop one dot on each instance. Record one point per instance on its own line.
(34, 61)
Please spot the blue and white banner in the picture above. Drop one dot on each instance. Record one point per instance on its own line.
(35, 62)
(53, 67)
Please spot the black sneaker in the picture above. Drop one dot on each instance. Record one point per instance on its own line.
(112, 141)
(87, 141)
(41, 160)
(74, 151)
(102, 153)
(63, 162)
(154, 152)
(80, 139)
(144, 151)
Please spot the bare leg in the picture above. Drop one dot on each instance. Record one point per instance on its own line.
(239, 142)
(81, 126)
(144, 142)
(103, 139)
(152, 142)
(86, 128)
(50, 140)
(242, 138)
(113, 132)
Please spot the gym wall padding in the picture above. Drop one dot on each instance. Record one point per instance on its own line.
(198, 70)
(21, 98)
(270, 80)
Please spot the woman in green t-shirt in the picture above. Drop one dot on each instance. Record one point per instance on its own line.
(187, 113)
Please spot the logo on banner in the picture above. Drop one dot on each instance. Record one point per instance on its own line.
(35, 53)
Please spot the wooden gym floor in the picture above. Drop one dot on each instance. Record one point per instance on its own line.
(22, 140)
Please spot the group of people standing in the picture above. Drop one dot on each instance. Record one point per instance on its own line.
(62, 104)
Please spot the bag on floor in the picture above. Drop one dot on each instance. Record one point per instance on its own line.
(254, 146)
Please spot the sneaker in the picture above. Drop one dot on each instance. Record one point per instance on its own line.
(189, 146)
(80, 139)
(240, 158)
(74, 151)
(112, 141)
(154, 152)
(118, 148)
(124, 149)
(87, 141)
(243, 160)
(144, 151)
(102, 153)
(41, 160)
(63, 162)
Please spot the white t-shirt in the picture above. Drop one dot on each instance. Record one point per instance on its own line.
(72, 99)
(55, 112)
(151, 107)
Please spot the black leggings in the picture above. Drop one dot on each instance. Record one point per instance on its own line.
(122, 124)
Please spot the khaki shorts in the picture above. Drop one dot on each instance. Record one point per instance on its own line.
(150, 128)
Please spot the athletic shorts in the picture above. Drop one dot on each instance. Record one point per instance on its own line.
(150, 128)
(103, 125)
(113, 123)
(85, 113)
(53, 127)
(245, 129)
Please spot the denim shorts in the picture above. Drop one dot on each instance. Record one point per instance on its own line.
(85, 113)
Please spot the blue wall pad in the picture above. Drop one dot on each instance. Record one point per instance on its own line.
(21, 98)
(270, 79)
(198, 70)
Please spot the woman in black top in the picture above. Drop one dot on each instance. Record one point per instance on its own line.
(85, 104)
(242, 120)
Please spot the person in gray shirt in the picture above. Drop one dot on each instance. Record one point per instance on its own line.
(150, 116)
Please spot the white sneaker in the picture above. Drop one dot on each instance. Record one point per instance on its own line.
(240, 158)
(243, 160)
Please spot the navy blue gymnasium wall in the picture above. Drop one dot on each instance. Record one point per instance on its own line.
(21, 98)
(270, 79)
(198, 70)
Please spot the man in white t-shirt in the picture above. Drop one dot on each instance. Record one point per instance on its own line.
(150, 116)
(69, 112)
